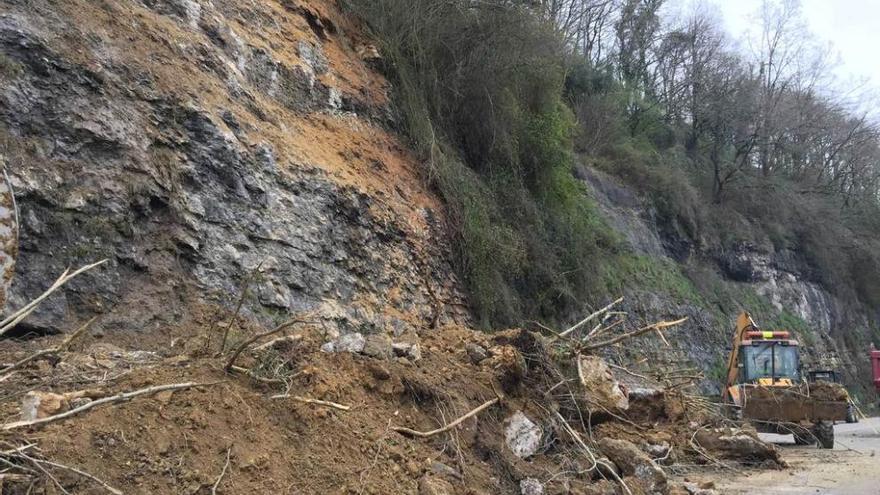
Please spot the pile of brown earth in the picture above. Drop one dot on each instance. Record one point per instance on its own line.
(299, 414)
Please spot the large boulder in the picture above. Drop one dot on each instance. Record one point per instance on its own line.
(741, 444)
(633, 463)
(602, 391)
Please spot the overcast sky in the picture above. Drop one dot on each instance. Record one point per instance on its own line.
(851, 26)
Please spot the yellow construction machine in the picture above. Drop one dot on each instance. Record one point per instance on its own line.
(765, 387)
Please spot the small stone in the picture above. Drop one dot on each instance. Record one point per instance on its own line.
(379, 372)
(377, 346)
(412, 468)
(78, 402)
(430, 485)
(444, 471)
(691, 489)
(605, 469)
(407, 350)
(38, 405)
(476, 353)
(328, 347)
(656, 451)
(531, 486)
(522, 436)
(351, 342)
(164, 397)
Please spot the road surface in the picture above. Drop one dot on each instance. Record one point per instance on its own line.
(852, 468)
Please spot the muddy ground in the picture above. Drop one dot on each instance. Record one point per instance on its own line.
(852, 468)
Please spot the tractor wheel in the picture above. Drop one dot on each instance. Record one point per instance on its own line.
(803, 436)
(851, 413)
(824, 432)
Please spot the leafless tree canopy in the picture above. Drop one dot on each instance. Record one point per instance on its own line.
(763, 106)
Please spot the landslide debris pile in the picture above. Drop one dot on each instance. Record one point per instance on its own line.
(239, 409)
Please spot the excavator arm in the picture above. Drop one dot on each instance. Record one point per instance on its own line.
(744, 323)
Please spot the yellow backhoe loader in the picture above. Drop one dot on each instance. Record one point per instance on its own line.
(765, 387)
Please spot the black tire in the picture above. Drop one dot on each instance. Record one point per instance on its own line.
(803, 436)
(824, 433)
(851, 413)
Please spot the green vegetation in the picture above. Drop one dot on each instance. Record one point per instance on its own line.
(480, 90)
(649, 274)
(501, 98)
(718, 372)
(9, 68)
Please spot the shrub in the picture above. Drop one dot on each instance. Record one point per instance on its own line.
(480, 90)
(680, 208)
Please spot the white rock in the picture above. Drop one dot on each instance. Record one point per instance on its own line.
(36, 405)
(407, 350)
(523, 437)
(531, 486)
(352, 342)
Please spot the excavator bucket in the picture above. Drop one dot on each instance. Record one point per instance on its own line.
(821, 402)
(794, 410)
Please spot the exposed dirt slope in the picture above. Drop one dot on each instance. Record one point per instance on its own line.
(189, 141)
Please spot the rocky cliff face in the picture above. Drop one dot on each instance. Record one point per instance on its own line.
(191, 141)
(775, 286)
(836, 330)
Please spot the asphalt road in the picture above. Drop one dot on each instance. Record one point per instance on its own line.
(851, 468)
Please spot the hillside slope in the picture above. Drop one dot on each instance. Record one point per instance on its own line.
(712, 286)
(220, 152)
(190, 143)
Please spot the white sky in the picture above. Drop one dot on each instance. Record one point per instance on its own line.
(851, 26)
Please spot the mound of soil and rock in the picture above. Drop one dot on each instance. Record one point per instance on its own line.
(304, 413)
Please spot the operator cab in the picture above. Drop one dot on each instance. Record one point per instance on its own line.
(831, 376)
(768, 358)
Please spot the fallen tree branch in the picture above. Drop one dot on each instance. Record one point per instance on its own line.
(14, 478)
(286, 338)
(222, 473)
(52, 350)
(106, 400)
(425, 434)
(596, 462)
(635, 333)
(271, 381)
(46, 472)
(705, 454)
(244, 288)
(599, 330)
(628, 371)
(82, 473)
(306, 400)
(259, 336)
(22, 313)
(590, 317)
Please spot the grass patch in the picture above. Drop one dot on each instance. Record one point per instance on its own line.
(9, 68)
(629, 271)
